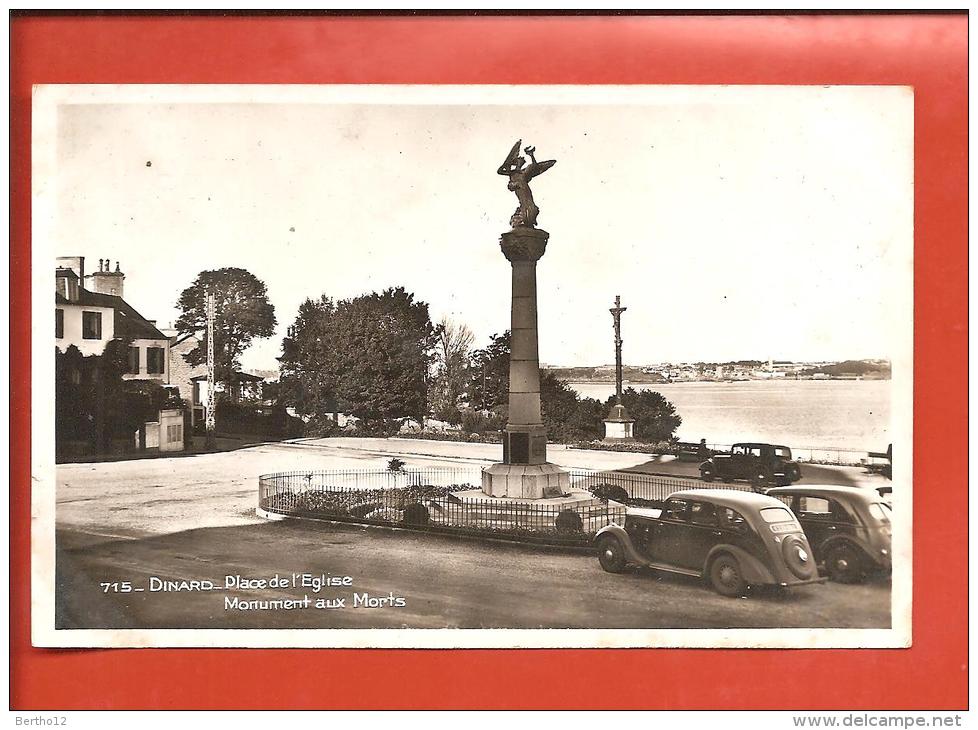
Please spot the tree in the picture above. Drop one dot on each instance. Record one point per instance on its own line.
(655, 417)
(371, 355)
(567, 416)
(95, 404)
(448, 386)
(489, 374)
(306, 369)
(242, 313)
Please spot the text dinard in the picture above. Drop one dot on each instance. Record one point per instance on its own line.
(315, 582)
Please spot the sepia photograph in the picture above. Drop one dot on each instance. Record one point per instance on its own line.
(472, 366)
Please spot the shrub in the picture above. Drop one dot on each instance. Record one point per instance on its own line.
(385, 427)
(613, 492)
(568, 521)
(395, 464)
(362, 509)
(416, 514)
(479, 422)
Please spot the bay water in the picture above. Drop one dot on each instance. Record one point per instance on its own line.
(844, 414)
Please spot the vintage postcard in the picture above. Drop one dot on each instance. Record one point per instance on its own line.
(472, 366)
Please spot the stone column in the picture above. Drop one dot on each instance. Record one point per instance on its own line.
(524, 472)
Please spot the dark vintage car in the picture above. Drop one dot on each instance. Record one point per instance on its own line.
(847, 527)
(733, 539)
(763, 465)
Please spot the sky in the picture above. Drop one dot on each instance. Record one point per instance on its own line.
(734, 222)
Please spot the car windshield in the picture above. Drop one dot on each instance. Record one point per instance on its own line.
(776, 514)
(880, 510)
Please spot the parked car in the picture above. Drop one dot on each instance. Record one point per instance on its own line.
(847, 527)
(732, 539)
(763, 465)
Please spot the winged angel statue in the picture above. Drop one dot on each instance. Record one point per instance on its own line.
(519, 182)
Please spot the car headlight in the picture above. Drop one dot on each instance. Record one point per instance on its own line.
(884, 552)
(802, 555)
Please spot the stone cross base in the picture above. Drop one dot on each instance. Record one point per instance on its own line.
(526, 481)
(618, 430)
(618, 425)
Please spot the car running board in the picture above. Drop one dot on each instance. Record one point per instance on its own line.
(673, 569)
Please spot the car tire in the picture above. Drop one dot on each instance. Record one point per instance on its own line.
(726, 576)
(762, 481)
(707, 474)
(845, 564)
(611, 554)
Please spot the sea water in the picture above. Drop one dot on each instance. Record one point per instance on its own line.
(845, 414)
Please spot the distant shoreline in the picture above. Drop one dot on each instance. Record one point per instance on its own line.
(630, 381)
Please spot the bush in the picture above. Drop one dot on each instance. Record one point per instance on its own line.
(395, 464)
(363, 508)
(384, 427)
(416, 514)
(321, 426)
(568, 521)
(479, 422)
(613, 492)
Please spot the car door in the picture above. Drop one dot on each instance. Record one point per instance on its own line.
(816, 517)
(669, 533)
(740, 460)
(701, 533)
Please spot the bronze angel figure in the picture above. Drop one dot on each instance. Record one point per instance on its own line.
(519, 182)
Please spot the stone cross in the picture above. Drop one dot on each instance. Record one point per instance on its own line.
(616, 313)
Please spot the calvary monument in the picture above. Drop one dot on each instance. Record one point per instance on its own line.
(618, 424)
(524, 472)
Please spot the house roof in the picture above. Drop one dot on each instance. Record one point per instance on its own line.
(128, 322)
(239, 376)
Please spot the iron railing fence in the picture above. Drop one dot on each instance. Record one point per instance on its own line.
(434, 499)
(646, 487)
(449, 499)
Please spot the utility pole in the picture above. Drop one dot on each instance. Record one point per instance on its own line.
(211, 391)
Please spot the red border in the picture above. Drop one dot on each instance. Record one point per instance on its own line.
(927, 52)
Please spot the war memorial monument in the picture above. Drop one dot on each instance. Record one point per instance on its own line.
(524, 471)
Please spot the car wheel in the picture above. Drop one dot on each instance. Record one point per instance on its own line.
(611, 554)
(761, 481)
(707, 474)
(726, 576)
(844, 564)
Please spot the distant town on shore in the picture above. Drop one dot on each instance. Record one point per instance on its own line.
(728, 371)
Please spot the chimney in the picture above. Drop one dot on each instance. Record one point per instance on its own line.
(106, 281)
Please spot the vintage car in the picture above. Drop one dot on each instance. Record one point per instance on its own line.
(763, 465)
(733, 539)
(847, 527)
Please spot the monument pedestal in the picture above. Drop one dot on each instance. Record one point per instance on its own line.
(618, 425)
(525, 481)
(524, 473)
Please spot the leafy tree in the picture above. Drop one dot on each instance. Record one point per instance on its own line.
(242, 313)
(448, 386)
(567, 416)
(489, 374)
(307, 370)
(93, 403)
(371, 354)
(655, 417)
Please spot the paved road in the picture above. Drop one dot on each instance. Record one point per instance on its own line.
(445, 583)
(193, 518)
